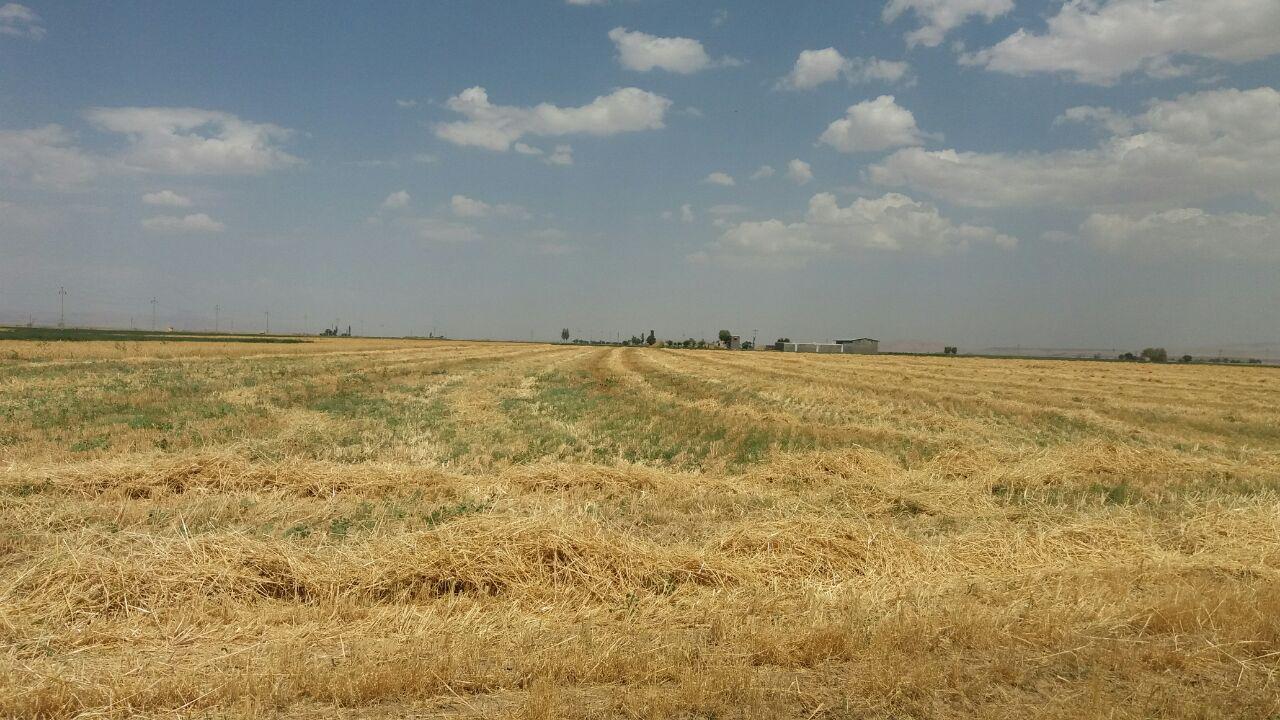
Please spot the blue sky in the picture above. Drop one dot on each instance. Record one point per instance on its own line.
(1100, 173)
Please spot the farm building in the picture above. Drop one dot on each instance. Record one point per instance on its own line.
(860, 346)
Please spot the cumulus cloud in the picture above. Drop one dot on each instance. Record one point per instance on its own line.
(939, 17)
(46, 157)
(1099, 42)
(167, 198)
(643, 52)
(799, 172)
(466, 207)
(496, 127)
(893, 222)
(562, 155)
(197, 223)
(406, 103)
(765, 171)
(189, 141)
(686, 213)
(818, 67)
(720, 178)
(814, 68)
(20, 21)
(1197, 146)
(1186, 232)
(396, 200)
(873, 125)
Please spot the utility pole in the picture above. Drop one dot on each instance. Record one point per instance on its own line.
(217, 317)
(62, 306)
(266, 327)
(153, 314)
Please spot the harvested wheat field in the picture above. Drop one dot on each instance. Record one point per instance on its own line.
(446, 529)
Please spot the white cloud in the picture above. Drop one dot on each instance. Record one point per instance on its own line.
(562, 155)
(765, 171)
(720, 178)
(168, 198)
(720, 17)
(406, 103)
(1186, 232)
(425, 158)
(865, 70)
(893, 222)
(496, 127)
(20, 21)
(799, 172)
(817, 67)
(466, 207)
(686, 213)
(189, 141)
(1106, 118)
(1099, 41)
(396, 200)
(939, 17)
(444, 231)
(643, 52)
(873, 125)
(46, 157)
(197, 223)
(814, 68)
(1195, 147)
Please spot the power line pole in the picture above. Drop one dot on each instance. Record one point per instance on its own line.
(217, 317)
(266, 328)
(62, 306)
(153, 314)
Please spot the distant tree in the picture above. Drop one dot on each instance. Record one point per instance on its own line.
(702, 344)
(564, 334)
(636, 341)
(725, 337)
(746, 345)
(1157, 355)
(1187, 358)
(781, 341)
(1130, 357)
(651, 339)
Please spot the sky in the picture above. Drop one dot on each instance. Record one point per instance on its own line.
(1049, 173)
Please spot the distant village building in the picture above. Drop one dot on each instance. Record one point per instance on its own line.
(860, 346)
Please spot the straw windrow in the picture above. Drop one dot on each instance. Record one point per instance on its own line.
(394, 529)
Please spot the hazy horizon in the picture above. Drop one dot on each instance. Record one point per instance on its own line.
(986, 173)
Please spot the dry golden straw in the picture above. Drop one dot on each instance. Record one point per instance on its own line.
(445, 529)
